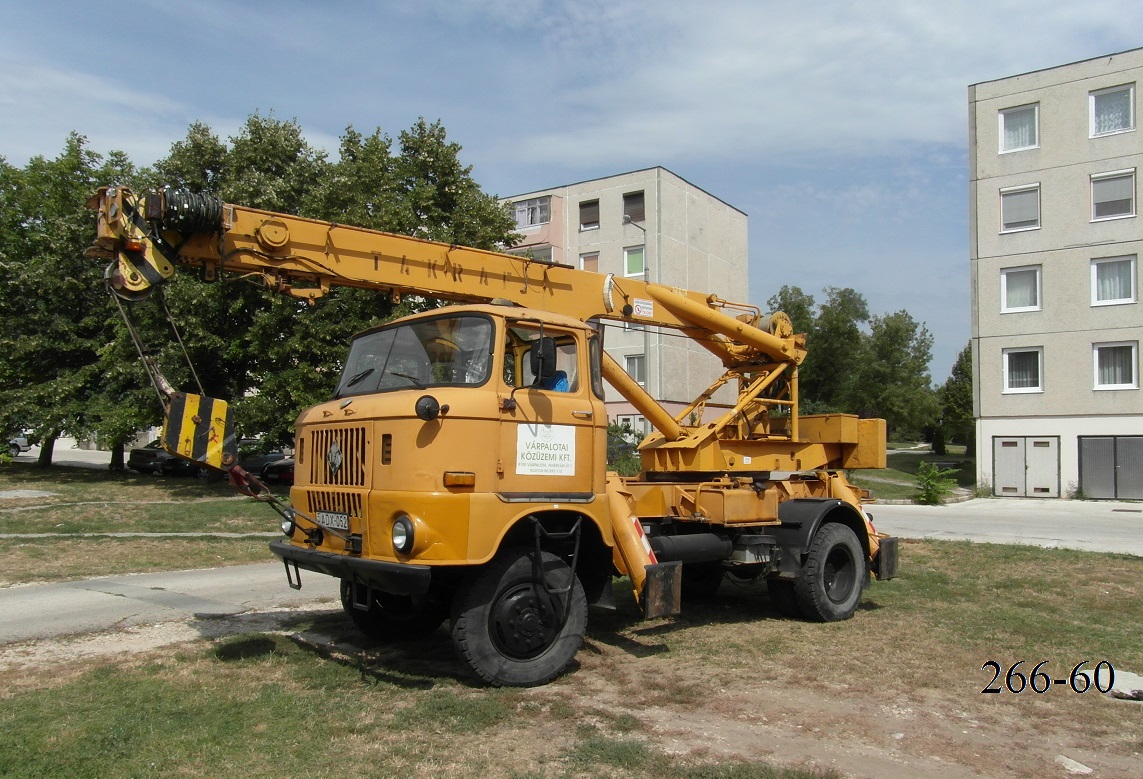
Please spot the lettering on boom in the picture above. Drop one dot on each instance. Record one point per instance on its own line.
(545, 450)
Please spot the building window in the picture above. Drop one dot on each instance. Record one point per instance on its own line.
(1020, 289)
(633, 261)
(534, 212)
(636, 367)
(1020, 208)
(1113, 195)
(1115, 366)
(635, 423)
(1024, 370)
(589, 262)
(1113, 281)
(632, 326)
(1020, 128)
(633, 207)
(1112, 110)
(589, 215)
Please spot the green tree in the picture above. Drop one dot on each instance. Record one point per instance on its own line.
(828, 377)
(892, 375)
(53, 303)
(795, 304)
(957, 420)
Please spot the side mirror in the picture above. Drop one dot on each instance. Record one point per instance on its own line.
(543, 358)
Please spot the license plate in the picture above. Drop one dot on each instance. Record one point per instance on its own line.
(333, 519)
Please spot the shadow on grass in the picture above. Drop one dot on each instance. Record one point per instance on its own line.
(68, 476)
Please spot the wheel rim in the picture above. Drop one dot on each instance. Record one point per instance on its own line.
(523, 623)
(839, 574)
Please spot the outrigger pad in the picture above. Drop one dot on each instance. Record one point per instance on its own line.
(663, 590)
(200, 429)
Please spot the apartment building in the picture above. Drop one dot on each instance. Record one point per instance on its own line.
(651, 225)
(1055, 240)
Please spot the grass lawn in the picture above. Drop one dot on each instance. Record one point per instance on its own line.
(708, 695)
(87, 501)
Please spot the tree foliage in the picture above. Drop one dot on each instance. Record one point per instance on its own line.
(958, 423)
(875, 366)
(55, 311)
(67, 364)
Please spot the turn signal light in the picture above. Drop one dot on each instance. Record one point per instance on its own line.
(133, 246)
(459, 479)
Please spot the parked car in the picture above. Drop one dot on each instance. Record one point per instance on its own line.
(256, 462)
(280, 472)
(17, 445)
(177, 466)
(149, 458)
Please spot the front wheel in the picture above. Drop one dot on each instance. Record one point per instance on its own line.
(514, 630)
(831, 581)
(14, 450)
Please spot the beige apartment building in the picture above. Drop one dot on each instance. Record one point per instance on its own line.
(1055, 240)
(652, 225)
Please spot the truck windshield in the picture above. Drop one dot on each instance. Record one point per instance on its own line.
(427, 353)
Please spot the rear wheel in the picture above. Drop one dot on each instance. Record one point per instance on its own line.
(831, 581)
(394, 617)
(514, 631)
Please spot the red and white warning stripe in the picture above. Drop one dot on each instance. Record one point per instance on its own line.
(643, 538)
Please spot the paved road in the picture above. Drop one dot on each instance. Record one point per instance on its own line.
(1095, 526)
(71, 608)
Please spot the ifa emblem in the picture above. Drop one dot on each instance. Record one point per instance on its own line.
(334, 459)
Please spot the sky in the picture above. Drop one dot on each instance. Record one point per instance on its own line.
(838, 127)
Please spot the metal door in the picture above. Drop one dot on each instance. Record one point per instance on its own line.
(1042, 467)
(1111, 467)
(1008, 467)
(1026, 466)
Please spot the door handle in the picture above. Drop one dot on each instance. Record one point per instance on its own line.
(583, 414)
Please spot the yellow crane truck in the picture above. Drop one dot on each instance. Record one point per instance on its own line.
(459, 470)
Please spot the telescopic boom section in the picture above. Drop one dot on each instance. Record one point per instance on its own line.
(145, 236)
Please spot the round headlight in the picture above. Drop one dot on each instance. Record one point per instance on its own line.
(288, 527)
(403, 534)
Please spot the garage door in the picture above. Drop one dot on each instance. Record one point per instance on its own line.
(1026, 466)
(1111, 467)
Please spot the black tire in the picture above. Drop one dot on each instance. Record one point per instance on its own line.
(395, 617)
(14, 450)
(702, 580)
(784, 598)
(831, 581)
(508, 629)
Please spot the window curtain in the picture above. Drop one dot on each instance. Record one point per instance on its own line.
(1020, 128)
(1116, 366)
(1112, 111)
(1023, 370)
(1021, 289)
(1113, 281)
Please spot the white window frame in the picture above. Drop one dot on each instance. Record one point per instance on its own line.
(637, 424)
(1134, 346)
(1039, 388)
(583, 260)
(627, 362)
(1113, 175)
(540, 204)
(1002, 113)
(1016, 191)
(1004, 307)
(627, 252)
(1131, 259)
(1091, 110)
(586, 226)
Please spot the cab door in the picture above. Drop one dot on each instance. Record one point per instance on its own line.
(548, 436)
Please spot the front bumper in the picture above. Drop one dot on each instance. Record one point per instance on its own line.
(396, 578)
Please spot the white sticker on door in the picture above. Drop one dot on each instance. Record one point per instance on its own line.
(545, 450)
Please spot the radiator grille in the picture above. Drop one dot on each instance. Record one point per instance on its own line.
(338, 456)
(339, 502)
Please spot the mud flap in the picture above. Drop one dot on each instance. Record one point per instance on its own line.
(885, 563)
(662, 591)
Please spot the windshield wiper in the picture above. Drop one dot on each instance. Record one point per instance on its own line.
(414, 379)
(357, 377)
